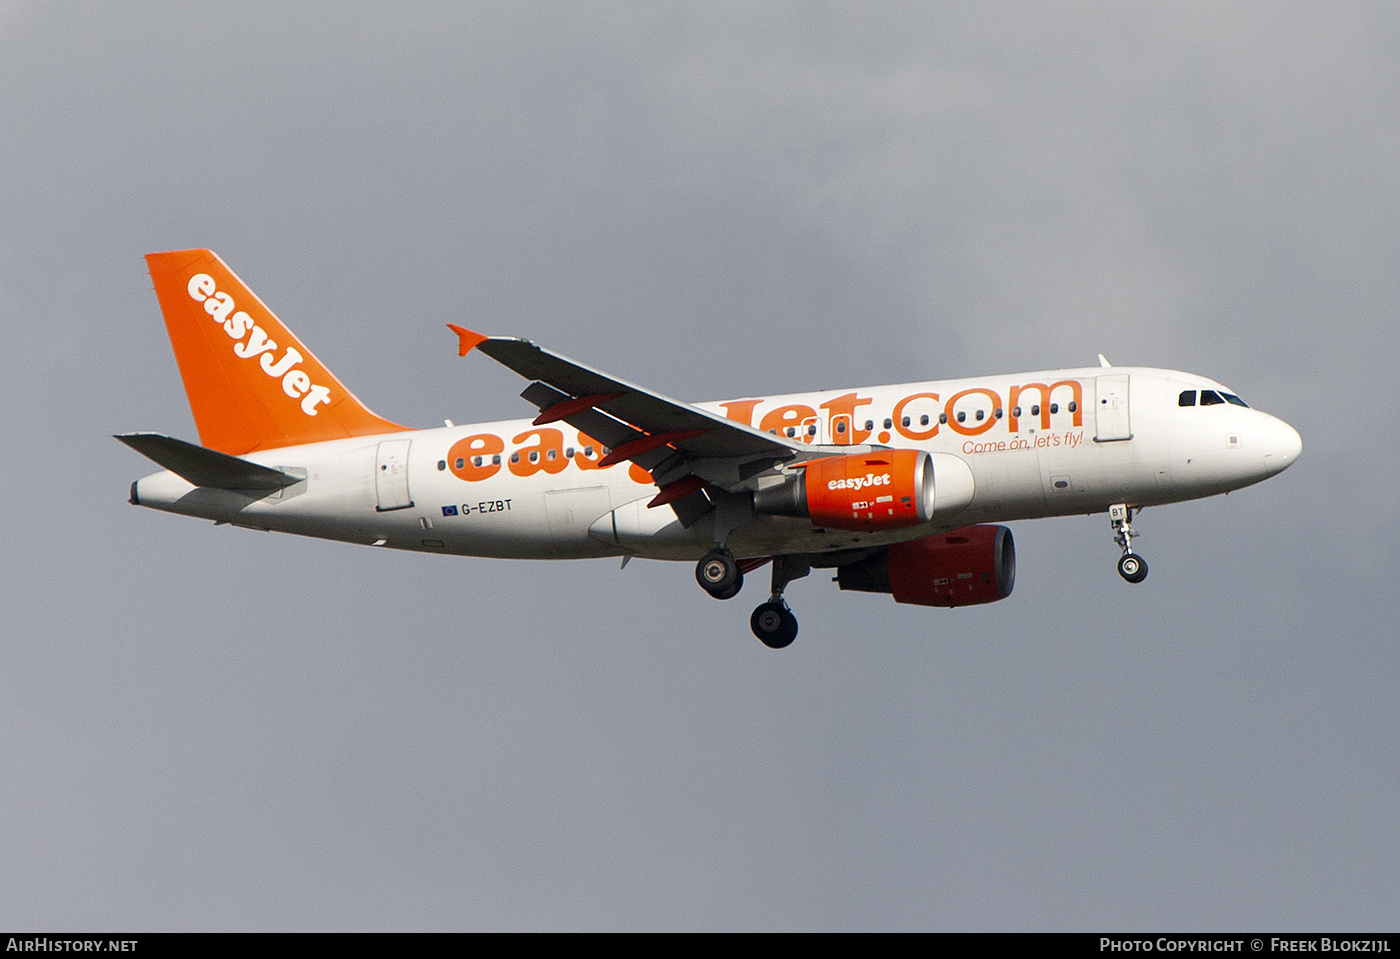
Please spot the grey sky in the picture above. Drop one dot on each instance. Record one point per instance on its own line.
(211, 728)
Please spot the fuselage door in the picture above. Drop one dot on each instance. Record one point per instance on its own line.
(1111, 410)
(391, 475)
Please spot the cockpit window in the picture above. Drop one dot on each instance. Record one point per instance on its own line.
(1209, 398)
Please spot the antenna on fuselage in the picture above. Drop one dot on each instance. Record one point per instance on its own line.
(1103, 361)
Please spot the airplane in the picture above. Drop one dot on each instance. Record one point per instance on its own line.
(899, 489)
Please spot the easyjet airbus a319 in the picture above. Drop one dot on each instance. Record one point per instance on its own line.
(896, 488)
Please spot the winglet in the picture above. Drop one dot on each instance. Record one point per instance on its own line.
(467, 340)
(1103, 361)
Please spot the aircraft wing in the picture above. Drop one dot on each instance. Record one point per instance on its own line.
(685, 448)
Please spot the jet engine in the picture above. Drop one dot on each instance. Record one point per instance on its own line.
(964, 567)
(886, 489)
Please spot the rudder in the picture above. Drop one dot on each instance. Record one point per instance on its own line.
(251, 384)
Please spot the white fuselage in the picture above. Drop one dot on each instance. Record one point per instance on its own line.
(1005, 448)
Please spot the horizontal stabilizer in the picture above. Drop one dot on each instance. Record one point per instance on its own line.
(206, 467)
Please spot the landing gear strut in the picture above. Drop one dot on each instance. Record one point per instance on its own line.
(1131, 566)
(718, 573)
(772, 622)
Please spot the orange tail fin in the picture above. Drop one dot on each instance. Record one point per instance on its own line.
(252, 384)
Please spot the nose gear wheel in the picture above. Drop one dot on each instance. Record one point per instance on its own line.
(1131, 566)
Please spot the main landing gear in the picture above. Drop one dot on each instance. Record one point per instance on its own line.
(772, 622)
(718, 573)
(1131, 566)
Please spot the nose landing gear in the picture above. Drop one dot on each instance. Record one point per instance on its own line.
(1131, 566)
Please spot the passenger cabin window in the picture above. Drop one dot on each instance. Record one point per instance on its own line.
(1187, 398)
(869, 425)
(923, 420)
(905, 421)
(1210, 398)
(888, 422)
(841, 426)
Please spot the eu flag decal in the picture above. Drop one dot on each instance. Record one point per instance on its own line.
(449, 511)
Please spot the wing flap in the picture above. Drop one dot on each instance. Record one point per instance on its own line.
(598, 425)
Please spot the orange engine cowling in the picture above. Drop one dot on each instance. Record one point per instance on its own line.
(964, 567)
(887, 489)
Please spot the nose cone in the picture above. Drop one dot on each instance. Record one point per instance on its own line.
(1281, 443)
